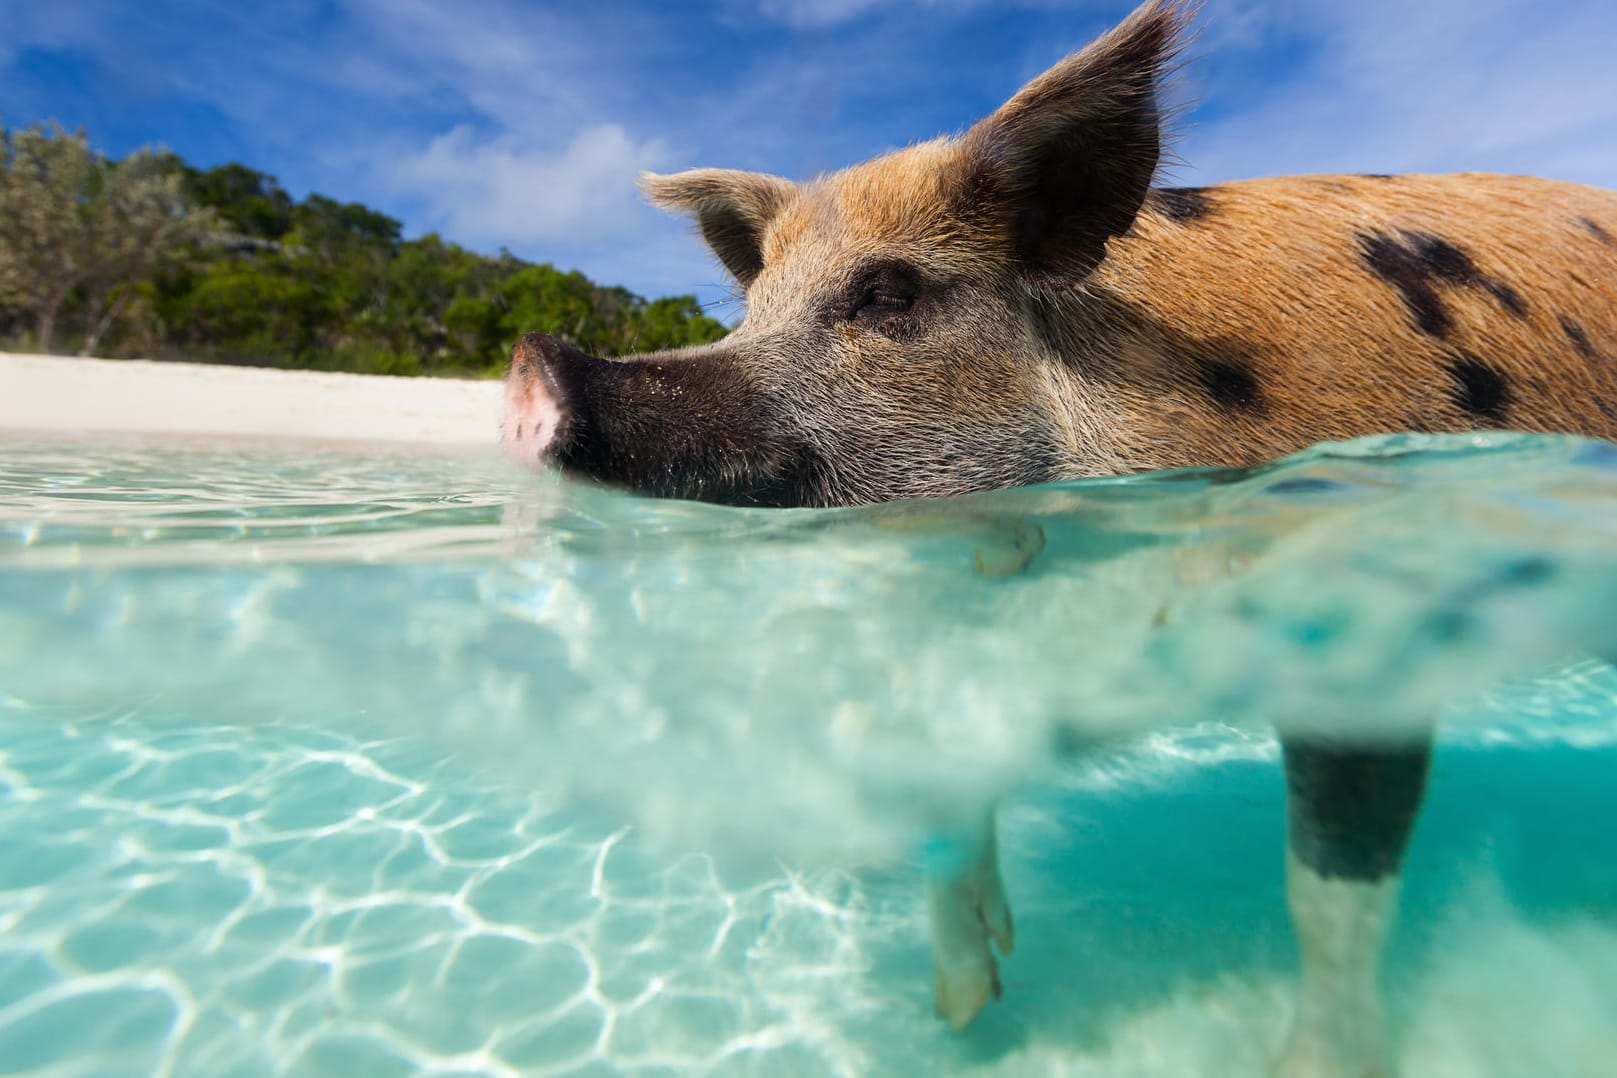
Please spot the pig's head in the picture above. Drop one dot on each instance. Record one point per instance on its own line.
(906, 319)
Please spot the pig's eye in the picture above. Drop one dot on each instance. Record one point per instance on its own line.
(884, 290)
(888, 301)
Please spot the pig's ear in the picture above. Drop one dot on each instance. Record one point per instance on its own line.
(1066, 164)
(733, 209)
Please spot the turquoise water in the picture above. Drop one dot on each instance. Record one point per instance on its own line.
(325, 762)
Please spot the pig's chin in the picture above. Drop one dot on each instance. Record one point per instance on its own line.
(791, 478)
(784, 478)
(776, 474)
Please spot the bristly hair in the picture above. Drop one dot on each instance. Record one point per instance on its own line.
(1187, 33)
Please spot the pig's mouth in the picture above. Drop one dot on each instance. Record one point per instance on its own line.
(677, 425)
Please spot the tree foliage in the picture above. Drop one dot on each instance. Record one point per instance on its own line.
(150, 255)
(78, 231)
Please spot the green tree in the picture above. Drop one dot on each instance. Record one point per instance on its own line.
(46, 184)
(674, 322)
(439, 304)
(333, 229)
(565, 304)
(223, 265)
(249, 203)
(74, 224)
(138, 220)
(241, 310)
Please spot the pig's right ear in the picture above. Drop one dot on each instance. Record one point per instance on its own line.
(1065, 164)
(733, 208)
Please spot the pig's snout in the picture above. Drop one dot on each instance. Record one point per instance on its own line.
(539, 400)
(681, 424)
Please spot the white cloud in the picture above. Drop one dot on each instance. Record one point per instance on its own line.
(521, 65)
(816, 12)
(30, 24)
(504, 191)
(806, 14)
(1392, 86)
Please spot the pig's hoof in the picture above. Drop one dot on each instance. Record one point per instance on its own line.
(969, 918)
(960, 994)
(1315, 1053)
(1010, 548)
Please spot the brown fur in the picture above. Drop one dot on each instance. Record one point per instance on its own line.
(1283, 292)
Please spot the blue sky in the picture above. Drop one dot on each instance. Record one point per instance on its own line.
(523, 124)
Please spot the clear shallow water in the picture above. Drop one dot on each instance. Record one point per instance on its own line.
(334, 763)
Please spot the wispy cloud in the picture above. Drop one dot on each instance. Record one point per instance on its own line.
(823, 13)
(501, 190)
(50, 25)
(1391, 86)
(817, 12)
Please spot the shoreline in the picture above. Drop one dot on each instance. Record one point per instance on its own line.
(72, 396)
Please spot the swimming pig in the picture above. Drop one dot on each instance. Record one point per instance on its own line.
(1018, 304)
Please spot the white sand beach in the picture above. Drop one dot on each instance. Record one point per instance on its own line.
(64, 395)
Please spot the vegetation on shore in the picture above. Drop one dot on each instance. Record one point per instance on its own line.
(150, 256)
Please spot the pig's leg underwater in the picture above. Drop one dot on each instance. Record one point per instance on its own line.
(966, 905)
(1350, 810)
(964, 894)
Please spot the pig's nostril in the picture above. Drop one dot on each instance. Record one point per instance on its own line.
(542, 390)
(535, 406)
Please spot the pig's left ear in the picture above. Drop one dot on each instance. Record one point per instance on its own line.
(733, 208)
(1066, 164)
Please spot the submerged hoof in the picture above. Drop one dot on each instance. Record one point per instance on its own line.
(1009, 548)
(1314, 1051)
(970, 917)
(960, 993)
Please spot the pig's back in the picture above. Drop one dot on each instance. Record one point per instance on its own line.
(1333, 306)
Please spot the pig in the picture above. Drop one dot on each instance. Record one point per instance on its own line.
(1019, 304)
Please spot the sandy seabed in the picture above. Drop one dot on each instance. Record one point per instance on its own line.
(64, 395)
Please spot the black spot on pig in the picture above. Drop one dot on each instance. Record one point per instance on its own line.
(1480, 390)
(1184, 204)
(1417, 263)
(1230, 385)
(1579, 339)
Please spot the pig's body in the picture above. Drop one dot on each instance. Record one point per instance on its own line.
(1018, 305)
(1253, 319)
